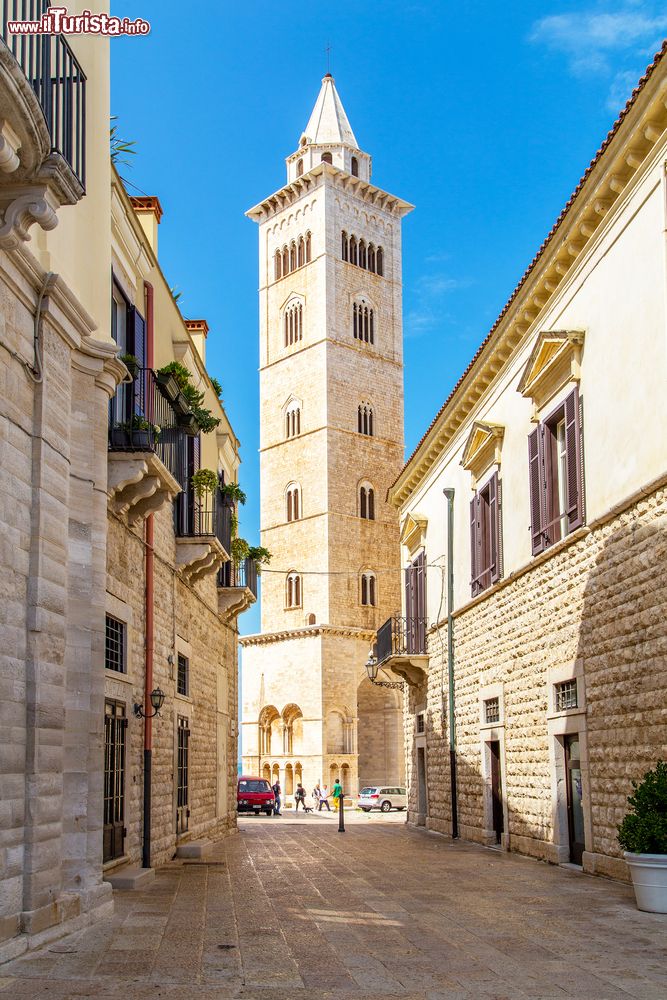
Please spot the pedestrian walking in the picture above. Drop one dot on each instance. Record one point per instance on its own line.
(276, 791)
(300, 797)
(337, 793)
(317, 791)
(324, 799)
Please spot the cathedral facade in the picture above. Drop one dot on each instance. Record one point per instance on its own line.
(331, 443)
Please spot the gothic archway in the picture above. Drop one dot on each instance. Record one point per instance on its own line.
(380, 735)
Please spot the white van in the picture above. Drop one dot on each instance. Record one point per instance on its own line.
(383, 798)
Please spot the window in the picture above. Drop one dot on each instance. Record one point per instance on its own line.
(301, 251)
(293, 498)
(379, 261)
(292, 257)
(293, 591)
(353, 250)
(365, 419)
(308, 248)
(345, 246)
(362, 254)
(299, 168)
(492, 710)
(367, 502)
(415, 605)
(183, 675)
(556, 475)
(366, 255)
(327, 158)
(485, 537)
(363, 322)
(371, 257)
(115, 726)
(277, 265)
(293, 323)
(566, 695)
(293, 421)
(368, 589)
(183, 769)
(354, 166)
(421, 723)
(114, 650)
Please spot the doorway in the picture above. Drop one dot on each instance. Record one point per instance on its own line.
(497, 813)
(421, 786)
(575, 809)
(183, 787)
(115, 725)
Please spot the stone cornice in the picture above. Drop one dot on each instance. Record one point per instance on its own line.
(308, 632)
(314, 179)
(629, 151)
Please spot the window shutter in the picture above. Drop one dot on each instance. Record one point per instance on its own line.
(289, 505)
(138, 333)
(536, 481)
(371, 504)
(495, 529)
(474, 546)
(371, 590)
(574, 486)
(196, 442)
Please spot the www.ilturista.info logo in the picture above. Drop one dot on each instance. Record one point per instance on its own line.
(57, 21)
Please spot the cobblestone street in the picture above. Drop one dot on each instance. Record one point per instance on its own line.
(288, 909)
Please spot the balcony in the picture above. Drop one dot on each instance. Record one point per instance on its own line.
(146, 448)
(237, 587)
(203, 528)
(402, 646)
(42, 125)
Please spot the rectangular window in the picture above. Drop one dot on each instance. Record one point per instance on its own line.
(421, 725)
(114, 652)
(566, 695)
(556, 475)
(492, 710)
(183, 676)
(485, 537)
(415, 605)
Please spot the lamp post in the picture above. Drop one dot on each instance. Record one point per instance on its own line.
(157, 701)
(372, 667)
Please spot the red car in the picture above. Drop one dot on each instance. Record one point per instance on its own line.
(254, 795)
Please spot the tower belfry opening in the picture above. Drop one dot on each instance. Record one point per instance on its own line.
(330, 338)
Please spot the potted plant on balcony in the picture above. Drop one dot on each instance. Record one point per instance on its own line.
(131, 362)
(142, 432)
(204, 482)
(232, 493)
(194, 397)
(260, 556)
(168, 386)
(643, 837)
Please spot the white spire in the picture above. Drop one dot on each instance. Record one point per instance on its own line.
(328, 123)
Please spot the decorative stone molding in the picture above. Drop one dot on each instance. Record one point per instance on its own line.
(233, 601)
(410, 667)
(413, 532)
(9, 148)
(139, 484)
(483, 448)
(264, 638)
(554, 361)
(197, 557)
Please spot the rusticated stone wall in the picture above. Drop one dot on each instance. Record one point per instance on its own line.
(596, 608)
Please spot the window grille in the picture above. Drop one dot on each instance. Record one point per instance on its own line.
(566, 695)
(183, 762)
(492, 710)
(421, 724)
(114, 652)
(183, 676)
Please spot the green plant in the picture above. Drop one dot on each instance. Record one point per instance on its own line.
(233, 492)
(239, 549)
(194, 396)
(235, 525)
(644, 829)
(217, 388)
(260, 555)
(119, 147)
(131, 362)
(204, 481)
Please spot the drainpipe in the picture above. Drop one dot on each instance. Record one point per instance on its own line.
(149, 623)
(449, 494)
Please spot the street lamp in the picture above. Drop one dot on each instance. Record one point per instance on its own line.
(157, 701)
(372, 667)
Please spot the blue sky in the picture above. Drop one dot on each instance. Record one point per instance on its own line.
(483, 115)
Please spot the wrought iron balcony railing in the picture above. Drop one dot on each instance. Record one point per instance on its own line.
(141, 418)
(54, 73)
(201, 517)
(401, 637)
(239, 574)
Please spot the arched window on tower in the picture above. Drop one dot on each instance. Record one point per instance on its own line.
(371, 258)
(299, 168)
(301, 252)
(368, 589)
(293, 595)
(379, 261)
(353, 250)
(363, 322)
(354, 166)
(308, 247)
(293, 502)
(285, 261)
(293, 323)
(362, 254)
(292, 256)
(327, 158)
(345, 246)
(367, 501)
(293, 420)
(277, 265)
(365, 419)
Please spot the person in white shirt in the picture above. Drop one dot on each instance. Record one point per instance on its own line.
(324, 799)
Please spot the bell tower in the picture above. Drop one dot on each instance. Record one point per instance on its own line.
(331, 442)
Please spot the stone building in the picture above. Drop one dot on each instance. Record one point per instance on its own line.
(331, 391)
(551, 453)
(65, 224)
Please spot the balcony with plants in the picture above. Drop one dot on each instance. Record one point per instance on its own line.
(402, 646)
(203, 526)
(42, 125)
(237, 579)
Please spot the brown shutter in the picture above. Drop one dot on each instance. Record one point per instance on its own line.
(574, 486)
(474, 546)
(362, 502)
(536, 481)
(363, 589)
(495, 529)
(371, 504)
(289, 505)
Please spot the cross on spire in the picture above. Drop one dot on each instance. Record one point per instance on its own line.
(328, 52)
